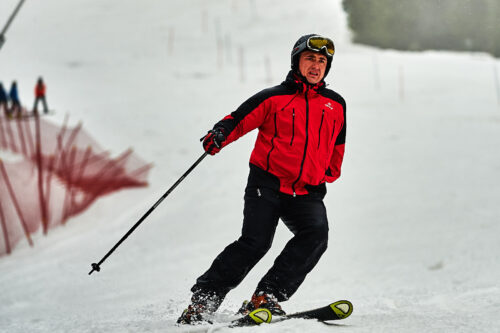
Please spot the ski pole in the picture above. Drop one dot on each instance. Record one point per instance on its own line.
(97, 266)
(9, 21)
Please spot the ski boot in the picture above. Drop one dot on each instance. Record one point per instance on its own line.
(262, 300)
(202, 304)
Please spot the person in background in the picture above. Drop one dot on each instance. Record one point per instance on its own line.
(40, 90)
(15, 103)
(3, 100)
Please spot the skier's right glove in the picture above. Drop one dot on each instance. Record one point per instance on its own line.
(212, 142)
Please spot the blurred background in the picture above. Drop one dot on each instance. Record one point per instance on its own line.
(462, 25)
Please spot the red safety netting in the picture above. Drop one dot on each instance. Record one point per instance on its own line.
(63, 170)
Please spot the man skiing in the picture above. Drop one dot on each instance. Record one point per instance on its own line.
(300, 147)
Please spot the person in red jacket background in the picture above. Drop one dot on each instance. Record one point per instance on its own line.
(299, 148)
(40, 91)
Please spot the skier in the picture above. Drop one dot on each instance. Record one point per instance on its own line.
(40, 95)
(300, 146)
(15, 105)
(3, 100)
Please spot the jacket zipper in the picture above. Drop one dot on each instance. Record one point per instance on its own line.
(293, 115)
(333, 131)
(320, 125)
(272, 142)
(305, 145)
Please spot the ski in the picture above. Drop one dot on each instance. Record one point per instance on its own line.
(334, 311)
(30, 115)
(39, 114)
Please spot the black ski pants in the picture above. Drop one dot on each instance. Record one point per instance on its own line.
(44, 102)
(305, 216)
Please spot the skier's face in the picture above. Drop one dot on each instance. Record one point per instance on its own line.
(312, 66)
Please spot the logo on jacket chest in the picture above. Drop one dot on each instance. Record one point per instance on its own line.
(329, 105)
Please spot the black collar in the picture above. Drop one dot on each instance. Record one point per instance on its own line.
(298, 82)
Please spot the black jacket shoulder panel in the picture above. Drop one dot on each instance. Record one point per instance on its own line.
(328, 93)
(253, 102)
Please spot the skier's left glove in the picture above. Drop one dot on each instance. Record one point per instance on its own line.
(212, 142)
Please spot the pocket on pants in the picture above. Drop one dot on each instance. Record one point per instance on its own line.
(257, 192)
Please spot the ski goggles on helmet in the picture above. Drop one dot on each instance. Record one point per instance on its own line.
(317, 44)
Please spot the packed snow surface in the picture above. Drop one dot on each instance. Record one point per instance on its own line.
(414, 219)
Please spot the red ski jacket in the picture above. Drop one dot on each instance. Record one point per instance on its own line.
(40, 90)
(302, 130)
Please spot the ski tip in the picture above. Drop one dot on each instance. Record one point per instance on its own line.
(261, 315)
(342, 309)
(256, 317)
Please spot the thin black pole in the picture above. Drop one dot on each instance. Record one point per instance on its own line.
(96, 266)
(9, 21)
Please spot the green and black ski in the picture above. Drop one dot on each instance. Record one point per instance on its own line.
(334, 311)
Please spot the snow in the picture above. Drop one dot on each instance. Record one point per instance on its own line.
(414, 239)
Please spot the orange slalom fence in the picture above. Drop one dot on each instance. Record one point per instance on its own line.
(57, 172)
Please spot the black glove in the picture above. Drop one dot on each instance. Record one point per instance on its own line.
(212, 142)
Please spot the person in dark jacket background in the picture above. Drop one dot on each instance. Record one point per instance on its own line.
(15, 103)
(3, 100)
(40, 90)
(299, 148)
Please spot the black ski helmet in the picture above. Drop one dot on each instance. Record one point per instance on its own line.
(301, 46)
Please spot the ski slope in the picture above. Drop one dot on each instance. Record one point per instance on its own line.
(414, 219)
